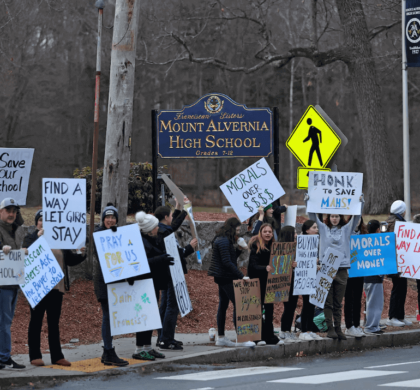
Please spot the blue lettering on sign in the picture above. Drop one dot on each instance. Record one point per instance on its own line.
(216, 127)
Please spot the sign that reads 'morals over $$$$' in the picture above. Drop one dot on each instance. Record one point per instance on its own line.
(217, 127)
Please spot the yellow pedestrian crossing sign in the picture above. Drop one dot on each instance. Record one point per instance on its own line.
(313, 141)
(303, 176)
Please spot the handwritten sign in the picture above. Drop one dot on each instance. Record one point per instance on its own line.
(178, 278)
(121, 254)
(133, 308)
(335, 193)
(64, 212)
(373, 254)
(12, 268)
(324, 277)
(306, 258)
(408, 249)
(42, 272)
(279, 281)
(254, 187)
(248, 309)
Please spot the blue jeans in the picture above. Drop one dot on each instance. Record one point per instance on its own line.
(106, 326)
(8, 300)
(168, 314)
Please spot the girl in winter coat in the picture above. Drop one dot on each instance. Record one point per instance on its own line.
(224, 269)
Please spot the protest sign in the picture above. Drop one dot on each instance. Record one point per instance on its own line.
(324, 277)
(12, 268)
(42, 272)
(279, 281)
(335, 193)
(178, 278)
(15, 169)
(133, 308)
(64, 212)
(290, 216)
(408, 249)
(121, 253)
(306, 258)
(254, 187)
(373, 254)
(248, 309)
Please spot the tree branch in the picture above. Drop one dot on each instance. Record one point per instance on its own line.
(379, 29)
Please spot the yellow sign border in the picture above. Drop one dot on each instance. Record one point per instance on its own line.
(311, 169)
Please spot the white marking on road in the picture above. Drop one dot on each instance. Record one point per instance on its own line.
(336, 377)
(221, 374)
(412, 383)
(395, 364)
(205, 388)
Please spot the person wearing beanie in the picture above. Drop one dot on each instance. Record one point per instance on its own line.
(268, 214)
(109, 356)
(396, 312)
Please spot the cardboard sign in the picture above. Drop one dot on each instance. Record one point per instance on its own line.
(64, 212)
(290, 216)
(254, 187)
(373, 254)
(12, 268)
(42, 272)
(121, 254)
(335, 193)
(178, 278)
(279, 281)
(248, 309)
(408, 249)
(306, 258)
(15, 169)
(133, 308)
(324, 277)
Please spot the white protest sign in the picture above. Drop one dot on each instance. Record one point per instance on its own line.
(42, 272)
(290, 216)
(133, 308)
(12, 268)
(324, 277)
(408, 249)
(64, 212)
(306, 258)
(335, 193)
(121, 253)
(254, 187)
(15, 169)
(178, 278)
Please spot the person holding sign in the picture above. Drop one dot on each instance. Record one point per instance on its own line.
(270, 215)
(335, 233)
(51, 304)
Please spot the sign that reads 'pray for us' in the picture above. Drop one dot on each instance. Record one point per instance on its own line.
(216, 127)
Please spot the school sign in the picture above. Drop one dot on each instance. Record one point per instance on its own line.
(215, 127)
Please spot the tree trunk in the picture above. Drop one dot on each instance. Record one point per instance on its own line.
(379, 173)
(120, 107)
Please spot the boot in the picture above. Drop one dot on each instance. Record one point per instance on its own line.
(340, 333)
(111, 358)
(331, 333)
(103, 355)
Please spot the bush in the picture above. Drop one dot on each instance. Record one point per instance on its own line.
(140, 191)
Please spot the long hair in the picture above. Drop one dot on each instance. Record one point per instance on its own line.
(342, 222)
(307, 225)
(270, 220)
(258, 240)
(362, 228)
(228, 230)
(287, 234)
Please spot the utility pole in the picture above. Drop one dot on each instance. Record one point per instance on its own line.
(120, 107)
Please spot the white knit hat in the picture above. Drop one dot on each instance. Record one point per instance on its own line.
(147, 222)
(398, 207)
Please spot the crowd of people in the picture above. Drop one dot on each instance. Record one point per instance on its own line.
(334, 232)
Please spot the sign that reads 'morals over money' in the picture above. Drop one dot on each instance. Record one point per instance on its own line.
(254, 187)
(217, 127)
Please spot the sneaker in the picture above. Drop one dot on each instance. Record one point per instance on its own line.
(382, 327)
(282, 335)
(305, 337)
(315, 336)
(360, 330)
(170, 347)
(225, 342)
(156, 354)
(143, 355)
(288, 338)
(352, 332)
(294, 337)
(406, 322)
(261, 343)
(246, 344)
(395, 322)
(10, 363)
(110, 358)
(281, 342)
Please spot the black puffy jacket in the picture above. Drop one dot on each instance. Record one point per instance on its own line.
(224, 260)
(257, 266)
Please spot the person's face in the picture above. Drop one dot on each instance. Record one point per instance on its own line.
(238, 230)
(110, 221)
(267, 233)
(8, 214)
(269, 212)
(39, 224)
(154, 232)
(313, 229)
(169, 218)
(335, 219)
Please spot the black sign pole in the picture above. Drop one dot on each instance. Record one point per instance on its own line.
(154, 159)
(276, 141)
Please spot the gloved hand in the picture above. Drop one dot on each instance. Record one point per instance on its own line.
(165, 259)
(114, 228)
(130, 281)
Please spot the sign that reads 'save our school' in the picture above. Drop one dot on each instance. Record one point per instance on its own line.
(217, 127)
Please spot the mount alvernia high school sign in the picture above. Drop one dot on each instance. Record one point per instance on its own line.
(215, 127)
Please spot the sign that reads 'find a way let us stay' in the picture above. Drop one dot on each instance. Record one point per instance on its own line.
(217, 127)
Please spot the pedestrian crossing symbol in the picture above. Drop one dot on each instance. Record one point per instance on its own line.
(313, 141)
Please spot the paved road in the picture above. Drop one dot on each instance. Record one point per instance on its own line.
(388, 369)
